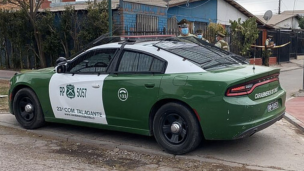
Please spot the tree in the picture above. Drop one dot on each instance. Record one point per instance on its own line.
(69, 30)
(19, 36)
(243, 35)
(95, 23)
(49, 36)
(301, 22)
(213, 29)
(30, 7)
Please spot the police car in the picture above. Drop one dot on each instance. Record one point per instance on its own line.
(179, 90)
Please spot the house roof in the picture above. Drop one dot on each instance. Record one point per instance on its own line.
(300, 12)
(247, 13)
(115, 4)
(276, 19)
(8, 6)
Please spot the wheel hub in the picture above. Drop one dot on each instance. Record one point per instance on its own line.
(28, 108)
(175, 127)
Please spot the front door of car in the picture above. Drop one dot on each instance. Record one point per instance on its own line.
(132, 90)
(77, 94)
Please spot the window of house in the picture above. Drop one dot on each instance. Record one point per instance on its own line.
(140, 62)
(146, 23)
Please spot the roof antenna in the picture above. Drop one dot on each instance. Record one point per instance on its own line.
(267, 16)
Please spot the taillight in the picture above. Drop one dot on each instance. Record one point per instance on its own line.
(248, 87)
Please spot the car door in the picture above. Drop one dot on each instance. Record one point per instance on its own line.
(132, 90)
(77, 94)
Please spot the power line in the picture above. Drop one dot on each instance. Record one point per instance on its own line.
(285, 5)
(279, 7)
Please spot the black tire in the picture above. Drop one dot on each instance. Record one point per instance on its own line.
(187, 135)
(29, 118)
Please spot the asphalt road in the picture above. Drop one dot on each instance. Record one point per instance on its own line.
(58, 147)
(292, 81)
(279, 147)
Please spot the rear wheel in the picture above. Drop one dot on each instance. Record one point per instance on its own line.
(27, 109)
(176, 129)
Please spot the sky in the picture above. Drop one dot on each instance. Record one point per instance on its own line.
(259, 7)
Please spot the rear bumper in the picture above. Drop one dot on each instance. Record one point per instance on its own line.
(253, 130)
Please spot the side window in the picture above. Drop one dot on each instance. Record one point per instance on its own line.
(94, 61)
(139, 62)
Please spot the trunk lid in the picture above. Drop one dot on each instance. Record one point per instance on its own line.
(257, 83)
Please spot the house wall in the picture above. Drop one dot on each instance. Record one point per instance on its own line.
(226, 12)
(129, 11)
(289, 23)
(201, 11)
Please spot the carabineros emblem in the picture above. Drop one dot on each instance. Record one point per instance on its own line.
(70, 93)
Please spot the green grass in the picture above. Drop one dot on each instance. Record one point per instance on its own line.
(4, 86)
(25, 70)
(4, 104)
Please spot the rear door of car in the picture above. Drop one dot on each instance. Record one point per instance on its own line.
(77, 94)
(132, 88)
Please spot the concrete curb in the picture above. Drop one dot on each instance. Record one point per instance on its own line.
(285, 70)
(294, 120)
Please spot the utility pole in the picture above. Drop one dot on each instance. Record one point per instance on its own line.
(110, 16)
(279, 6)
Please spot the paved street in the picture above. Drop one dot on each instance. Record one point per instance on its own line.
(58, 147)
(279, 147)
(292, 81)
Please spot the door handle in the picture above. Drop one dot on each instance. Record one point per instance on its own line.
(95, 85)
(149, 85)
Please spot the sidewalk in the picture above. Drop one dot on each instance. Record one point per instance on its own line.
(7, 74)
(295, 105)
(295, 110)
(291, 65)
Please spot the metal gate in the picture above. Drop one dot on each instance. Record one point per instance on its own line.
(172, 27)
(285, 52)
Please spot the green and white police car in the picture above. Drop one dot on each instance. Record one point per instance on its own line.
(179, 90)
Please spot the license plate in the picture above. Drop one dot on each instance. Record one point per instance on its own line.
(273, 106)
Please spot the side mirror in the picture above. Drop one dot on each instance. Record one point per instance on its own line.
(61, 60)
(61, 68)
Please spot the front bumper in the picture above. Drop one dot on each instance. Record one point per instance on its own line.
(253, 130)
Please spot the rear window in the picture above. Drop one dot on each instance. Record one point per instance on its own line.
(203, 54)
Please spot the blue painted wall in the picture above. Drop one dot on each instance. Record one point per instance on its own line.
(131, 9)
(202, 11)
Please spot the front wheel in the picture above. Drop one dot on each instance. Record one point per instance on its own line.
(27, 109)
(176, 129)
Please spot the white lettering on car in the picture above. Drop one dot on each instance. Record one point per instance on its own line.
(266, 93)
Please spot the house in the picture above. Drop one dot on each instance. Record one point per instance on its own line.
(285, 20)
(143, 16)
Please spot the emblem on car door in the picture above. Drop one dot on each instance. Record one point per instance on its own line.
(122, 94)
(70, 93)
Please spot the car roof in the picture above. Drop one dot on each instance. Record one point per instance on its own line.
(176, 64)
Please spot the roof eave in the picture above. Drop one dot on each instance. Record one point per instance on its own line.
(247, 13)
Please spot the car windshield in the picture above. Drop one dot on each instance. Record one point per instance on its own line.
(200, 52)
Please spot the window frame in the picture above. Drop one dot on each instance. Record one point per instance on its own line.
(83, 57)
(139, 72)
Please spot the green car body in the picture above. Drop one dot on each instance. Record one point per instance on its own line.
(220, 116)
